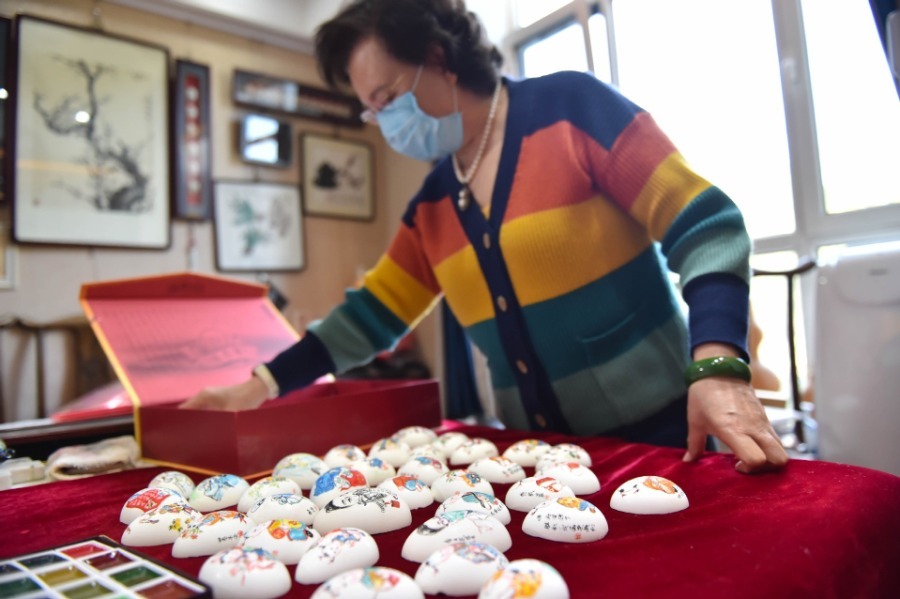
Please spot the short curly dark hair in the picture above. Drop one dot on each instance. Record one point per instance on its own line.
(409, 29)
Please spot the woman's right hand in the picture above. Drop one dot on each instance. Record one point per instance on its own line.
(243, 396)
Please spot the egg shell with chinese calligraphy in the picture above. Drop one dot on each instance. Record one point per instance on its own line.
(649, 495)
(160, 526)
(531, 491)
(335, 481)
(245, 574)
(416, 436)
(174, 480)
(363, 582)
(375, 470)
(448, 442)
(214, 532)
(283, 506)
(526, 452)
(580, 479)
(472, 451)
(498, 470)
(541, 579)
(458, 526)
(461, 480)
(477, 502)
(302, 468)
(218, 492)
(147, 500)
(567, 520)
(372, 510)
(340, 550)
(459, 569)
(413, 491)
(286, 540)
(428, 451)
(426, 469)
(395, 453)
(564, 452)
(343, 454)
(270, 485)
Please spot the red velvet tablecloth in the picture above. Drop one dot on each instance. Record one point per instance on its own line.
(815, 529)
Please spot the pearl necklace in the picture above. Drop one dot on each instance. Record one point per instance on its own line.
(464, 178)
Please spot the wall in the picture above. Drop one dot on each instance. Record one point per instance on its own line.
(49, 277)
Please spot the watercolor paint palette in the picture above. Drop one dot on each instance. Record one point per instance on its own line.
(94, 568)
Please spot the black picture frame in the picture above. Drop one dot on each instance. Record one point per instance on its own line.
(265, 140)
(338, 177)
(90, 138)
(266, 92)
(192, 142)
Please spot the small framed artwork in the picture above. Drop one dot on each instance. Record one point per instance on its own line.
(337, 178)
(91, 138)
(193, 147)
(258, 227)
(264, 140)
(254, 90)
(7, 259)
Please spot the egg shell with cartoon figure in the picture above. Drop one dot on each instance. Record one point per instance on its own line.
(174, 480)
(343, 454)
(218, 492)
(472, 451)
(459, 569)
(283, 506)
(458, 526)
(373, 510)
(580, 479)
(415, 436)
(530, 578)
(478, 502)
(526, 452)
(286, 540)
(302, 468)
(335, 481)
(531, 491)
(567, 520)
(425, 468)
(376, 470)
(270, 485)
(377, 581)
(340, 550)
(649, 495)
(498, 470)
(147, 500)
(245, 574)
(160, 526)
(212, 533)
(413, 491)
(461, 480)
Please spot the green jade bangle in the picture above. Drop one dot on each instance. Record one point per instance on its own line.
(726, 366)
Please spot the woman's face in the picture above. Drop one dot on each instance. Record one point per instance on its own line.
(378, 78)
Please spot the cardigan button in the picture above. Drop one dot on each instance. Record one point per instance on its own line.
(486, 239)
(522, 366)
(540, 420)
(501, 302)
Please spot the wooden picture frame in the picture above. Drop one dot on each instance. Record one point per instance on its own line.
(337, 177)
(192, 152)
(258, 227)
(8, 259)
(91, 138)
(266, 92)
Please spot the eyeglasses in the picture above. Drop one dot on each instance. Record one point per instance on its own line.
(370, 115)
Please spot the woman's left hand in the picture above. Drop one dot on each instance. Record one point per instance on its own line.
(729, 409)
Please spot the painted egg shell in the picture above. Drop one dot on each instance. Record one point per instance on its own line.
(567, 520)
(341, 455)
(245, 574)
(302, 468)
(529, 492)
(173, 480)
(338, 551)
(649, 495)
(376, 470)
(372, 510)
(564, 452)
(286, 540)
(145, 501)
(218, 492)
(526, 452)
(459, 526)
(270, 485)
(459, 569)
(428, 451)
(413, 491)
(384, 583)
(541, 579)
(459, 480)
(214, 532)
(498, 470)
(283, 506)
(335, 481)
(477, 502)
(416, 436)
(579, 478)
(160, 526)
(424, 468)
(472, 451)
(395, 453)
(448, 442)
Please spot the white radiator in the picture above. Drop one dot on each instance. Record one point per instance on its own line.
(857, 360)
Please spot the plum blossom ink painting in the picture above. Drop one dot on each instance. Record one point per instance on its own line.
(91, 138)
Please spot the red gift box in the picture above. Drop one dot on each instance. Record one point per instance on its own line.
(171, 335)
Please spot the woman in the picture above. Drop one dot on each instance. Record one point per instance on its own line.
(538, 225)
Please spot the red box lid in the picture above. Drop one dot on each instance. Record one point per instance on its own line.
(169, 336)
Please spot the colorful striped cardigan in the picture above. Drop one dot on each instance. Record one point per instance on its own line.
(563, 285)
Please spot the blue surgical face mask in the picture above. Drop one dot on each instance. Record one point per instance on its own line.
(414, 133)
